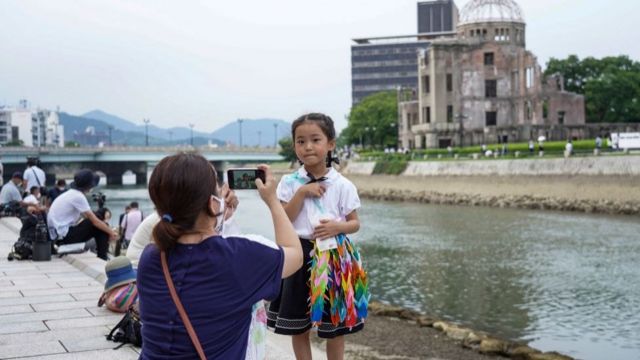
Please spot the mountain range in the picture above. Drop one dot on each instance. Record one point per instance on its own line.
(99, 126)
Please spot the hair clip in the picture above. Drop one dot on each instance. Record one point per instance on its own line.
(167, 218)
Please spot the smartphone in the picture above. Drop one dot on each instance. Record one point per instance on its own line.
(244, 179)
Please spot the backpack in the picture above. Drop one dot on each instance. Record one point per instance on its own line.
(127, 331)
(32, 226)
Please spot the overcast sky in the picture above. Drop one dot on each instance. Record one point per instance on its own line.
(211, 62)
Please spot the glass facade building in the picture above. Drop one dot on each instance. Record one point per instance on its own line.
(386, 63)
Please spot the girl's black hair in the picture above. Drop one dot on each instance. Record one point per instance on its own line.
(326, 125)
(323, 121)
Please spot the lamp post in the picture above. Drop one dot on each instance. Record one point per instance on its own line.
(461, 118)
(259, 138)
(240, 121)
(110, 138)
(146, 131)
(275, 135)
(191, 126)
(170, 136)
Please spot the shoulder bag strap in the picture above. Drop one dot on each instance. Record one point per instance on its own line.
(183, 314)
(36, 176)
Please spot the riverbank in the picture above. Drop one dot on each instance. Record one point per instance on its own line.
(583, 193)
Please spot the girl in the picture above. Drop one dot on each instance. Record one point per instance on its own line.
(322, 205)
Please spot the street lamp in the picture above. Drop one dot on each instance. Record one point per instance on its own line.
(170, 136)
(110, 138)
(275, 135)
(146, 131)
(259, 138)
(191, 126)
(240, 121)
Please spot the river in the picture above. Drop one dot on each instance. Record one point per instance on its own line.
(559, 281)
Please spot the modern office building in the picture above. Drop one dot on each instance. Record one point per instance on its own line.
(388, 62)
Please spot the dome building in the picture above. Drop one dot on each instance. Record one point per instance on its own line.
(484, 86)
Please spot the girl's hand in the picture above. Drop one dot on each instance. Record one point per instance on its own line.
(313, 190)
(326, 229)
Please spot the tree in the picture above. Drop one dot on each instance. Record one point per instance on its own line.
(372, 122)
(287, 150)
(15, 142)
(610, 85)
(71, 144)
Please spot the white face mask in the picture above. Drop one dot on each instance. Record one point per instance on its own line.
(219, 218)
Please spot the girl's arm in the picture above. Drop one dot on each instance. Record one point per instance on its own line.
(331, 228)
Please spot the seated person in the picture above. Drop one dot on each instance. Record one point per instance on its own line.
(34, 196)
(72, 206)
(61, 186)
(11, 190)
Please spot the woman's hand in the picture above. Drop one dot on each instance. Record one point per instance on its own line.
(326, 229)
(267, 190)
(231, 201)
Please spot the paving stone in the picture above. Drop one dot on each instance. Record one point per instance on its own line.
(70, 304)
(83, 322)
(25, 277)
(36, 299)
(10, 294)
(21, 327)
(15, 309)
(87, 295)
(99, 311)
(54, 335)
(34, 284)
(89, 343)
(58, 291)
(20, 350)
(46, 315)
(87, 281)
(124, 353)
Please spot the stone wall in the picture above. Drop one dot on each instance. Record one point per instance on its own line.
(606, 165)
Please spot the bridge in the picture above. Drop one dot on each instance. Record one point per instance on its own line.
(113, 162)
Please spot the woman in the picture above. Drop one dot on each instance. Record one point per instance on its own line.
(217, 279)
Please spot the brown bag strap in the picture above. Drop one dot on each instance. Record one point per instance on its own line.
(183, 314)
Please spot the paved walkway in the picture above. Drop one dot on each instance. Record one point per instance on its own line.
(48, 310)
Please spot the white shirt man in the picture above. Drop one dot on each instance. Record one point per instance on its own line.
(33, 176)
(10, 191)
(70, 207)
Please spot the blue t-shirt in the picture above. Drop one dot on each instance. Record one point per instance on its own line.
(218, 281)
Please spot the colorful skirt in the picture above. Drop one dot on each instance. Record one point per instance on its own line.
(330, 293)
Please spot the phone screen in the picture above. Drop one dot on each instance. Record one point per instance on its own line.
(244, 179)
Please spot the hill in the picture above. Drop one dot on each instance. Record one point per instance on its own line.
(255, 132)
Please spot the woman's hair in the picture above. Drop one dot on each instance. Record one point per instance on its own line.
(180, 188)
(323, 121)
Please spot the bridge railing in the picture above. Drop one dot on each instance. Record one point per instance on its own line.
(117, 149)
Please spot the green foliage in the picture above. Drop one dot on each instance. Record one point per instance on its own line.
(390, 166)
(373, 122)
(611, 86)
(287, 150)
(71, 144)
(16, 143)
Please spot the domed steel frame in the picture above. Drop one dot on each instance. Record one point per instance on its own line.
(480, 11)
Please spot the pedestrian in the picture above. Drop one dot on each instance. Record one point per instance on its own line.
(532, 147)
(34, 196)
(217, 279)
(129, 223)
(33, 175)
(70, 219)
(568, 148)
(598, 142)
(322, 204)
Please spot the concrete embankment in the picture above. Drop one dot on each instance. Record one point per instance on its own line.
(594, 184)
